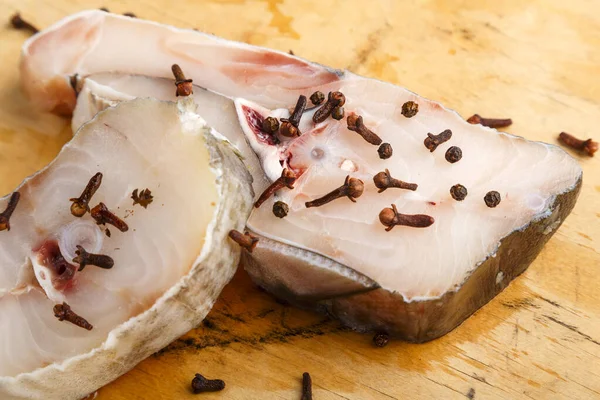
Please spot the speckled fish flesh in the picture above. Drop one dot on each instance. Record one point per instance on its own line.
(412, 258)
(95, 278)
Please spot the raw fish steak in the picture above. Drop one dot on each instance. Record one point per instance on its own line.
(116, 248)
(387, 210)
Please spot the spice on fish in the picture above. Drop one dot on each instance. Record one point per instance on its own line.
(270, 125)
(298, 111)
(410, 109)
(317, 98)
(287, 179)
(453, 154)
(587, 146)
(490, 122)
(458, 192)
(492, 199)
(103, 216)
(288, 129)
(355, 124)
(107, 232)
(306, 387)
(18, 22)
(64, 313)
(280, 209)
(381, 339)
(81, 204)
(130, 15)
(8, 211)
(245, 240)
(200, 384)
(383, 181)
(433, 141)
(390, 217)
(385, 151)
(143, 198)
(338, 113)
(184, 86)
(352, 188)
(334, 99)
(84, 259)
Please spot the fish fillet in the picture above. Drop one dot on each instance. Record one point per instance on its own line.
(169, 265)
(413, 283)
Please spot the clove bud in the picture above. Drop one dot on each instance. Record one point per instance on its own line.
(334, 99)
(200, 384)
(383, 181)
(352, 188)
(390, 217)
(355, 124)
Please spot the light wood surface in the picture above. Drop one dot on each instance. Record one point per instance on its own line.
(536, 61)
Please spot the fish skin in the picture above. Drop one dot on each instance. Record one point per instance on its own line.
(369, 308)
(180, 308)
(348, 301)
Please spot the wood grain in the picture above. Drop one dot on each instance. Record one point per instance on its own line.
(537, 62)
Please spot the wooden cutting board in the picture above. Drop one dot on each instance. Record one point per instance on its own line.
(536, 61)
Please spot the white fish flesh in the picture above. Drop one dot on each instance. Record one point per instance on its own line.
(414, 283)
(168, 267)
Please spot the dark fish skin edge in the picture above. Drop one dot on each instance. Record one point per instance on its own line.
(374, 309)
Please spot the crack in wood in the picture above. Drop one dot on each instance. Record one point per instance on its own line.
(573, 329)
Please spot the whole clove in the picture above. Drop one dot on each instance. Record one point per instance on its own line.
(200, 384)
(270, 125)
(355, 124)
(245, 240)
(143, 198)
(352, 188)
(433, 141)
(84, 259)
(458, 192)
(410, 109)
(490, 122)
(385, 151)
(383, 181)
(306, 387)
(317, 98)
(64, 313)
(103, 216)
(287, 179)
(587, 146)
(453, 154)
(390, 217)
(334, 99)
(288, 129)
(280, 209)
(7, 213)
(381, 339)
(298, 111)
(338, 113)
(184, 86)
(81, 204)
(18, 22)
(492, 199)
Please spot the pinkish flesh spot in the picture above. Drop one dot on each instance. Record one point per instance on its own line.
(255, 121)
(63, 272)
